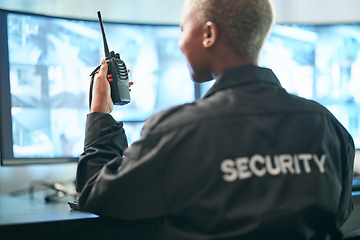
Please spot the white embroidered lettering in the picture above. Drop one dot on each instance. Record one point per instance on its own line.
(258, 165)
(258, 169)
(272, 170)
(228, 168)
(243, 167)
(320, 162)
(306, 158)
(286, 163)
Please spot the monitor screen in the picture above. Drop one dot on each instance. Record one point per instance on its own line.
(46, 63)
(45, 83)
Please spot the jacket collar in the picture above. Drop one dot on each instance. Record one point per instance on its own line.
(244, 75)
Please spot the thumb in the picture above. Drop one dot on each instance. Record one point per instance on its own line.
(103, 68)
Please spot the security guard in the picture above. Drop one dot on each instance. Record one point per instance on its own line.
(248, 161)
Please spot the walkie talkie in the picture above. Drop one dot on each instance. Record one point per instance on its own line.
(117, 74)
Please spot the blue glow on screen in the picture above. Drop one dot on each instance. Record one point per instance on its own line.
(322, 63)
(51, 59)
(50, 62)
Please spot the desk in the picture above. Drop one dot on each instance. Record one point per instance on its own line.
(28, 216)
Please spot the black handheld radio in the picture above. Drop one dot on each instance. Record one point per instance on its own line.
(117, 74)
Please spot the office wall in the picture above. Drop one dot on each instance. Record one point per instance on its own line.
(168, 11)
(317, 11)
(140, 11)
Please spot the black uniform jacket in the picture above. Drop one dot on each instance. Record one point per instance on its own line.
(247, 160)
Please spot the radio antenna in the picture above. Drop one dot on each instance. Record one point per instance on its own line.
(106, 48)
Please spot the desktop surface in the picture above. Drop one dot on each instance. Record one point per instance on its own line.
(32, 208)
(29, 216)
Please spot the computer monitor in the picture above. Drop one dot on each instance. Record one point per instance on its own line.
(46, 62)
(45, 67)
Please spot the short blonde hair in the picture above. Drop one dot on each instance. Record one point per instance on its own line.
(245, 22)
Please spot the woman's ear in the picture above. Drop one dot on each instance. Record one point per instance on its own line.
(210, 36)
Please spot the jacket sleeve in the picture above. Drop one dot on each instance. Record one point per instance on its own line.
(105, 140)
(112, 185)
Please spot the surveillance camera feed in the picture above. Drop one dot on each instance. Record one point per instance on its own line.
(50, 63)
(322, 63)
(50, 60)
